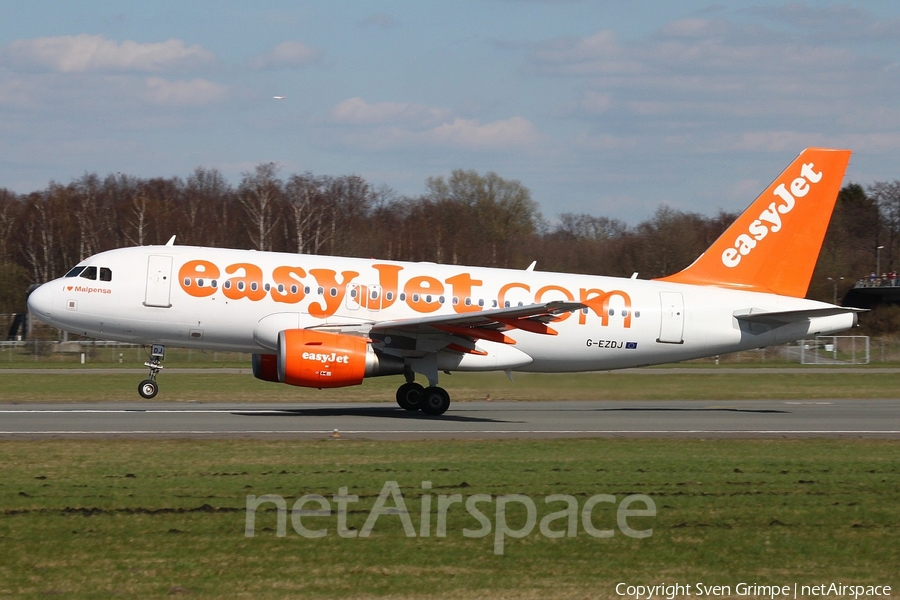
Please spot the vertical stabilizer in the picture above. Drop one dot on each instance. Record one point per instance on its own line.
(774, 245)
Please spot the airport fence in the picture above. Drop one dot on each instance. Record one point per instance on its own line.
(836, 350)
(48, 346)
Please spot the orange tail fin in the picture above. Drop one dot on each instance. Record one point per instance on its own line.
(774, 245)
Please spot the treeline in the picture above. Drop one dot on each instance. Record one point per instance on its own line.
(466, 218)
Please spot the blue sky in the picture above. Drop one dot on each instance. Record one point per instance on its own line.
(611, 108)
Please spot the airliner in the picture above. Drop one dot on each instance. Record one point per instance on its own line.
(327, 321)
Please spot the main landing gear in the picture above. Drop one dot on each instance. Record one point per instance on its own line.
(148, 388)
(432, 400)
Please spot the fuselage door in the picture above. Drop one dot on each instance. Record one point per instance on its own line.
(364, 296)
(159, 281)
(374, 295)
(671, 325)
(354, 296)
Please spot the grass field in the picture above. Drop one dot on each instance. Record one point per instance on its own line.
(85, 386)
(87, 519)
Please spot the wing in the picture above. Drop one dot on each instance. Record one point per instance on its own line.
(460, 332)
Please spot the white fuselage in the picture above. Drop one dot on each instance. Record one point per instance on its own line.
(238, 300)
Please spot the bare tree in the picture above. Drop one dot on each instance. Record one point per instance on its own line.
(10, 207)
(40, 238)
(137, 219)
(886, 195)
(87, 213)
(496, 212)
(260, 194)
(205, 207)
(304, 197)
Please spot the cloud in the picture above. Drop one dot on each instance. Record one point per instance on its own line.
(196, 92)
(596, 102)
(516, 132)
(79, 96)
(287, 55)
(357, 111)
(702, 74)
(96, 53)
(402, 125)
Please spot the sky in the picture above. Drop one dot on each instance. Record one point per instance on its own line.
(608, 107)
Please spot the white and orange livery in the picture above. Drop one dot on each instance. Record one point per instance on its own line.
(322, 321)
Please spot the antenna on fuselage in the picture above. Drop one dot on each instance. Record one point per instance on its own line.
(171, 241)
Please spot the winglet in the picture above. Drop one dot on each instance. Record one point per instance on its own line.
(774, 245)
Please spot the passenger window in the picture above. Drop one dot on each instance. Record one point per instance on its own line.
(89, 273)
(74, 272)
(105, 274)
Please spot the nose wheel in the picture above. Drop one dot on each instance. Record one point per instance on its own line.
(148, 388)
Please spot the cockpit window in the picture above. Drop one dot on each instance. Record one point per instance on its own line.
(105, 274)
(89, 273)
(75, 271)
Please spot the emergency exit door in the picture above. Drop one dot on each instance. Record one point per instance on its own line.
(671, 324)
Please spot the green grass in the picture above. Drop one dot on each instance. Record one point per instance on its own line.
(100, 357)
(149, 518)
(45, 354)
(228, 387)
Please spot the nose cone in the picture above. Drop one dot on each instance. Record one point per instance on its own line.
(40, 302)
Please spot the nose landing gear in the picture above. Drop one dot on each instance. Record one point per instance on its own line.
(148, 388)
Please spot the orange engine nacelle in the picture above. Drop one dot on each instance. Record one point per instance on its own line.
(319, 359)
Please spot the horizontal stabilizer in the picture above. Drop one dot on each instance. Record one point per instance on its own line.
(757, 315)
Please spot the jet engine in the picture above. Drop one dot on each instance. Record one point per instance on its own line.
(319, 359)
(265, 367)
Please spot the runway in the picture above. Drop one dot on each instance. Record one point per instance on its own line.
(475, 420)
